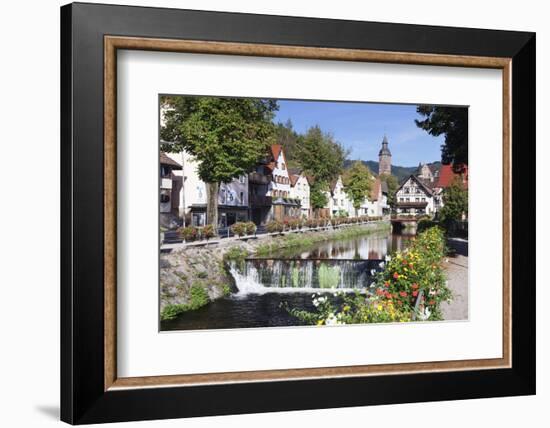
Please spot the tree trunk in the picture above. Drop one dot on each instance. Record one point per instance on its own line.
(212, 205)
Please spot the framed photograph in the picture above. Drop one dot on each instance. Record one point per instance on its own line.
(266, 213)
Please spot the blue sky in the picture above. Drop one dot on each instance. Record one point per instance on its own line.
(361, 127)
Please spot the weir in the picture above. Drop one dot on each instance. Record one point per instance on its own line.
(260, 275)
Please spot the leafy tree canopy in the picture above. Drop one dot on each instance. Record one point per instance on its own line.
(227, 136)
(317, 197)
(455, 202)
(393, 184)
(320, 156)
(287, 137)
(451, 122)
(357, 183)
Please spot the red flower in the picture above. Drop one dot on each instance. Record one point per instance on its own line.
(414, 286)
(379, 291)
(396, 275)
(388, 295)
(386, 284)
(403, 293)
(415, 293)
(431, 302)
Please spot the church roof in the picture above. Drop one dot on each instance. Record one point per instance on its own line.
(384, 150)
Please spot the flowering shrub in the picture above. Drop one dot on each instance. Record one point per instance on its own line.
(189, 233)
(350, 309)
(311, 223)
(250, 228)
(293, 223)
(207, 232)
(412, 283)
(238, 228)
(274, 226)
(417, 271)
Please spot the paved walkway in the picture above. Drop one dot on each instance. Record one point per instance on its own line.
(457, 276)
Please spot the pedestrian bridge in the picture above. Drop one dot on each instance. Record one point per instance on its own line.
(407, 225)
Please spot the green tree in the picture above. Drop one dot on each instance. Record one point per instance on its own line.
(455, 203)
(317, 196)
(322, 158)
(226, 136)
(357, 181)
(393, 184)
(451, 122)
(287, 137)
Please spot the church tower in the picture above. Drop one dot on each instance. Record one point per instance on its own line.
(384, 158)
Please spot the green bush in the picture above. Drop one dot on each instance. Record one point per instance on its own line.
(236, 255)
(198, 297)
(424, 224)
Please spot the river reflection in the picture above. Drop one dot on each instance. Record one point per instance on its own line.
(370, 247)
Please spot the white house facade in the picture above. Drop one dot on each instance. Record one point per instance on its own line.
(338, 202)
(299, 189)
(377, 204)
(282, 204)
(414, 198)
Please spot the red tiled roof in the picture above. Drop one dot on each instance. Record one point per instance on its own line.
(275, 151)
(447, 175)
(375, 190)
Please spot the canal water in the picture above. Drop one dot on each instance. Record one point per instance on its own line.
(289, 277)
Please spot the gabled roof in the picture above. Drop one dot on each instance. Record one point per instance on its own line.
(333, 183)
(166, 160)
(274, 151)
(447, 174)
(294, 174)
(423, 186)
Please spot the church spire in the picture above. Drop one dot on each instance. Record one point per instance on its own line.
(384, 158)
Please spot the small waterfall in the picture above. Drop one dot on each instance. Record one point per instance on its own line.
(298, 275)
